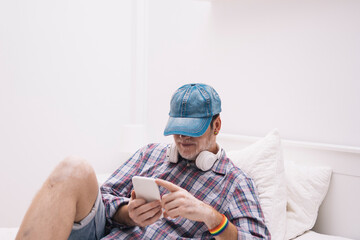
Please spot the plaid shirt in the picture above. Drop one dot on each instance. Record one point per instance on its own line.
(226, 188)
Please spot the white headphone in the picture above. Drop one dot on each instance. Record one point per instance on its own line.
(204, 161)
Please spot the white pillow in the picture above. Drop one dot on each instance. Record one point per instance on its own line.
(263, 162)
(306, 189)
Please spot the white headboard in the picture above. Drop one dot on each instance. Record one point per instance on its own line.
(340, 211)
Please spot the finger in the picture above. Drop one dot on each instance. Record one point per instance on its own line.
(168, 185)
(144, 211)
(149, 214)
(173, 204)
(136, 203)
(147, 207)
(133, 195)
(153, 219)
(166, 198)
(144, 219)
(173, 213)
(166, 215)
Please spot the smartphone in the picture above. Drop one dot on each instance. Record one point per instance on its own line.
(146, 188)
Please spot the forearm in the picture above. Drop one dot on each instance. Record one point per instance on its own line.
(213, 218)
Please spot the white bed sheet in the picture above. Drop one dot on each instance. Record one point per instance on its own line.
(10, 234)
(311, 235)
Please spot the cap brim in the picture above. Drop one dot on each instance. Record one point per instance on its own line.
(193, 127)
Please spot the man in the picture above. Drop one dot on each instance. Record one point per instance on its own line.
(204, 195)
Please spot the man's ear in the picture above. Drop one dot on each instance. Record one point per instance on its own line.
(217, 124)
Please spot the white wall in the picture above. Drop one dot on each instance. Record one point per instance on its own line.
(293, 65)
(65, 70)
(65, 81)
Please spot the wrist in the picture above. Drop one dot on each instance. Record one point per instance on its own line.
(221, 227)
(122, 216)
(212, 218)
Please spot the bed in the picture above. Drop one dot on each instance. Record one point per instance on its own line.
(325, 178)
(308, 191)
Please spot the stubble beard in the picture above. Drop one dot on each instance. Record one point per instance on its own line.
(193, 155)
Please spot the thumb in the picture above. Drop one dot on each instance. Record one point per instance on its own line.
(133, 195)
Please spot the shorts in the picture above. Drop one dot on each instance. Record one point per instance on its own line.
(92, 227)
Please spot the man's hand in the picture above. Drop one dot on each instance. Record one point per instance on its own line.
(142, 213)
(180, 202)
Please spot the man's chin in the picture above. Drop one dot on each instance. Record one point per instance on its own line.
(189, 157)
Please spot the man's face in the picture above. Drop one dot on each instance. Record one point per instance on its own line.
(190, 147)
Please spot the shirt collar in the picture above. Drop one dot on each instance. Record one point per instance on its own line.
(221, 164)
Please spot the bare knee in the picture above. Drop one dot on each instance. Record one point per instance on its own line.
(74, 178)
(72, 170)
(67, 195)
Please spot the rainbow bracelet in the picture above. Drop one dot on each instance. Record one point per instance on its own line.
(222, 226)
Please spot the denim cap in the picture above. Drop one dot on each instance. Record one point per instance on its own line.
(191, 109)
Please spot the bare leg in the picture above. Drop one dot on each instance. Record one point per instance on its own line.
(67, 196)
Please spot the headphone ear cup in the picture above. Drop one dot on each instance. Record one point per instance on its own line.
(172, 153)
(205, 160)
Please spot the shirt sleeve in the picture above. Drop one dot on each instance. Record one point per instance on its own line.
(244, 211)
(116, 191)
